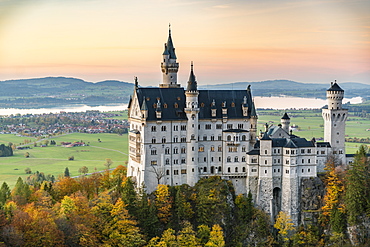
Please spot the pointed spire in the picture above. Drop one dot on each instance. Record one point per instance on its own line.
(285, 116)
(136, 82)
(144, 107)
(170, 47)
(192, 83)
(253, 110)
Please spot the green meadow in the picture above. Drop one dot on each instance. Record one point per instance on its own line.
(311, 124)
(54, 159)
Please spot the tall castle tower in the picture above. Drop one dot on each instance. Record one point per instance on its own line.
(335, 121)
(285, 122)
(169, 65)
(192, 110)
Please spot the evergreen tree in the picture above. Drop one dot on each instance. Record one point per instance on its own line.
(66, 172)
(4, 194)
(217, 238)
(21, 192)
(358, 181)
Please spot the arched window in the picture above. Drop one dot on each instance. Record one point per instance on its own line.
(212, 148)
(243, 159)
(153, 151)
(167, 150)
(236, 159)
(167, 162)
(243, 169)
(205, 169)
(236, 169)
(219, 149)
(176, 150)
(163, 139)
(228, 169)
(154, 140)
(163, 128)
(228, 159)
(229, 138)
(244, 138)
(183, 150)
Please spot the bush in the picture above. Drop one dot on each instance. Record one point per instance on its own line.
(71, 158)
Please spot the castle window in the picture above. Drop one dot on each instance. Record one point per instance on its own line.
(212, 148)
(274, 151)
(254, 161)
(183, 139)
(228, 159)
(309, 170)
(274, 170)
(153, 151)
(229, 138)
(309, 161)
(154, 128)
(154, 140)
(322, 152)
(202, 104)
(175, 172)
(244, 138)
(287, 162)
(205, 169)
(165, 105)
(208, 126)
(254, 170)
(302, 170)
(243, 159)
(340, 151)
(147, 99)
(183, 150)
(286, 151)
(183, 127)
(183, 171)
(292, 151)
(287, 171)
(201, 148)
(265, 171)
(219, 138)
(265, 162)
(228, 169)
(204, 138)
(211, 159)
(178, 98)
(163, 128)
(183, 161)
(219, 149)
(176, 150)
(192, 137)
(153, 162)
(265, 151)
(212, 137)
(192, 158)
(167, 162)
(229, 126)
(236, 159)
(232, 104)
(278, 160)
(236, 169)
(219, 159)
(176, 105)
(163, 140)
(243, 149)
(218, 126)
(302, 161)
(176, 161)
(167, 172)
(240, 126)
(302, 151)
(175, 127)
(175, 139)
(205, 159)
(278, 170)
(243, 169)
(274, 161)
(309, 151)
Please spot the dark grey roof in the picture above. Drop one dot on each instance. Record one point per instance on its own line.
(168, 97)
(302, 142)
(144, 106)
(278, 142)
(235, 130)
(285, 116)
(265, 136)
(135, 131)
(192, 83)
(290, 144)
(254, 152)
(335, 87)
(323, 144)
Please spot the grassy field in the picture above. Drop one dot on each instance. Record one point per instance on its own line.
(54, 160)
(310, 124)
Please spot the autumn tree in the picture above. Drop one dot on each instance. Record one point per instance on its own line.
(83, 170)
(284, 225)
(108, 163)
(21, 192)
(187, 236)
(163, 203)
(216, 237)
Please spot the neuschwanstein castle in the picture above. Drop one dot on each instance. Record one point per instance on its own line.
(179, 135)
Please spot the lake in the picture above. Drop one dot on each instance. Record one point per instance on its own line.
(260, 102)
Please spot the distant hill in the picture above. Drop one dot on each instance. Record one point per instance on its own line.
(53, 91)
(297, 89)
(57, 91)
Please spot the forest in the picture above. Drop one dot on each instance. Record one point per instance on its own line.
(107, 209)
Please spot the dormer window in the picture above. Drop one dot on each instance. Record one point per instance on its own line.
(214, 112)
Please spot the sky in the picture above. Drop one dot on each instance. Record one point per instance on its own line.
(313, 41)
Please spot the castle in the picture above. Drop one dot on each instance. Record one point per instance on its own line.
(179, 135)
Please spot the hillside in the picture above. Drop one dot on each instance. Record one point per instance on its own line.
(297, 89)
(57, 91)
(53, 91)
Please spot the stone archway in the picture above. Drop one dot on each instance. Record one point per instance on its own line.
(276, 201)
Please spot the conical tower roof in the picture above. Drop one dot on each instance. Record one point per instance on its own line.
(192, 83)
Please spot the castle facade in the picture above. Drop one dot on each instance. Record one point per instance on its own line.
(179, 135)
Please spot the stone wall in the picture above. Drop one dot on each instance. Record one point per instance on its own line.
(312, 193)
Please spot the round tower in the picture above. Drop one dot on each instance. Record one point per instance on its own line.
(192, 110)
(285, 122)
(335, 121)
(169, 65)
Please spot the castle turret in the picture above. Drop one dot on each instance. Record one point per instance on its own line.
(192, 111)
(169, 65)
(334, 121)
(285, 122)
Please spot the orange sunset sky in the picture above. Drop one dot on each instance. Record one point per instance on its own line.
(229, 41)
